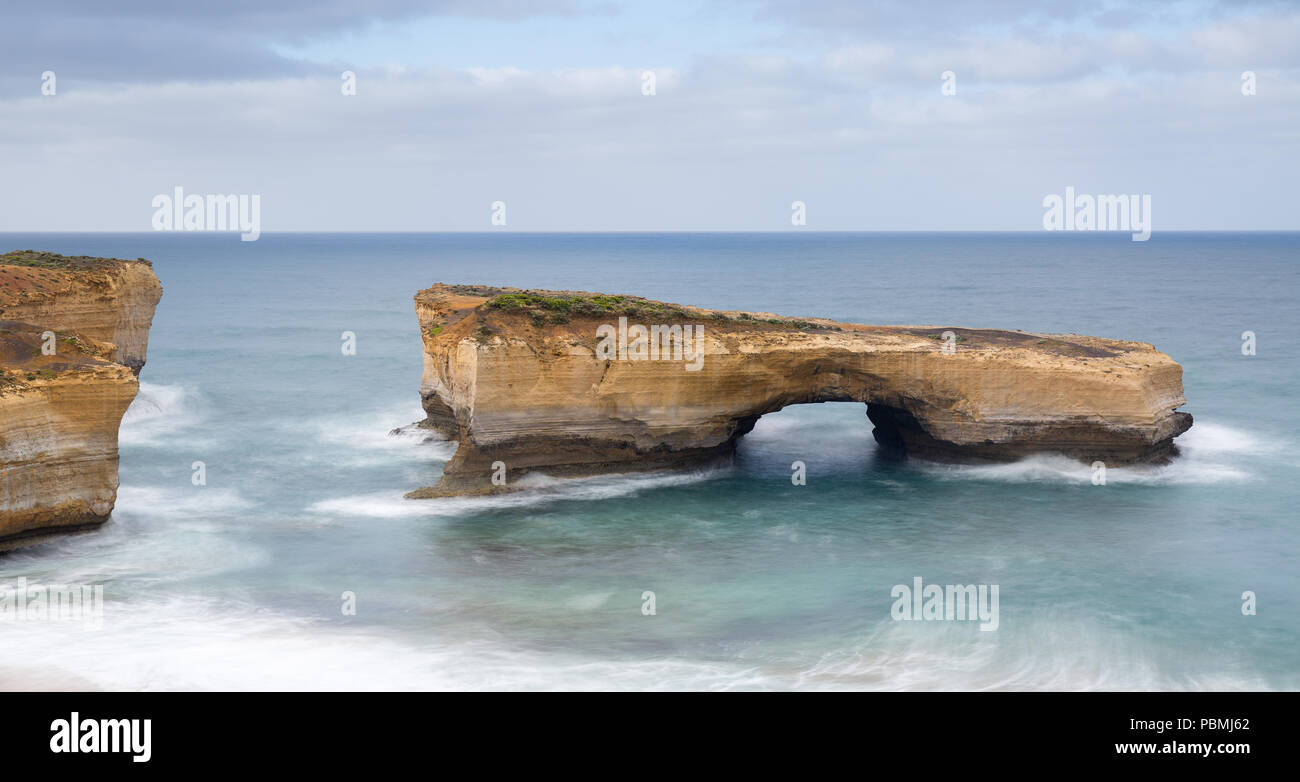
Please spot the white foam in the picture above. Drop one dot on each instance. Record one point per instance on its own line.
(142, 511)
(1048, 651)
(371, 436)
(244, 650)
(1211, 439)
(197, 643)
(588, 602)
(158, 412)
(1214, 454)
(535, 490)
(185, 501)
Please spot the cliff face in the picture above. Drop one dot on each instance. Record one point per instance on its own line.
(103, 299)
(59, 413)
(521, 377)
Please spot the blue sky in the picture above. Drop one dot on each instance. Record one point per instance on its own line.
(758, 104)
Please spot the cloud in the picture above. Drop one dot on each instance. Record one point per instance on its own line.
(859, 131)
(159, 41)
(729, 145)
(1007, 58)
(939, 19)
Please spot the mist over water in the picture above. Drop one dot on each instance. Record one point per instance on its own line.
(759, 584)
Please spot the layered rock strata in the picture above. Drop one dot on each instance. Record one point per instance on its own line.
(73, 337)
(528, 381)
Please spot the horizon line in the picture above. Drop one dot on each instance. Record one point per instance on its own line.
(668, 231)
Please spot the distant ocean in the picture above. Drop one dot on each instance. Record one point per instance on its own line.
(758, 584)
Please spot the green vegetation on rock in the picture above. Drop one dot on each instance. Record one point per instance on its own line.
(40, 259)
(543, 308)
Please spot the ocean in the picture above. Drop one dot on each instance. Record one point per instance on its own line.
(757, 583)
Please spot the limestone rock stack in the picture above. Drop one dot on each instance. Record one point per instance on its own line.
(73, 337)
(523, 382)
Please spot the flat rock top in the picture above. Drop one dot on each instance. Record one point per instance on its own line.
(545, 315)
(28, 274)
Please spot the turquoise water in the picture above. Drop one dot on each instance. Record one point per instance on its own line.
(758, 584)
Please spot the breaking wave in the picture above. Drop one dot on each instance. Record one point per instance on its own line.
(158, 412)
(1208, 454)
(534, 490)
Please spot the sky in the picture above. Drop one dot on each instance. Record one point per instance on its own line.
(541, 106)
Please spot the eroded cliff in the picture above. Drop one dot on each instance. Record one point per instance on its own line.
(531, 382)
(104, 299)
(73, 335)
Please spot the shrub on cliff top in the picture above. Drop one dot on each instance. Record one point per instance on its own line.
(557, 308)
(41, 259)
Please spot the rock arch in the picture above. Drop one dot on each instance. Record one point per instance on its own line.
(514, 376)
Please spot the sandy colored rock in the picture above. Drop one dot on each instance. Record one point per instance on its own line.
(60, 413)
(514, 377)
(104, 299)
